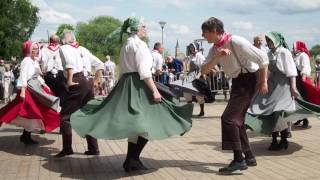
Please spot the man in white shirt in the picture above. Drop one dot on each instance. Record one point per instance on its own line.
(51, 67)
(77, 62)
(109, 69)
(258, 43)
(158, 61)
(241, 60)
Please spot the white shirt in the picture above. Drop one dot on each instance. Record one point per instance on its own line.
(110, 66)
(250, 57)
(79, 59)
(50, 61)
(157, 60)
(29, 68)
(285, 61)
(302, 62)
(198, 59)
(136, 57)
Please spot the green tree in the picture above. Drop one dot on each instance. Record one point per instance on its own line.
(315, 50)
(18, 19)
(62, 27)
(96, 36)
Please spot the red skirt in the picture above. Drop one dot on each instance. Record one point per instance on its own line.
(29, 111)
(313, 93)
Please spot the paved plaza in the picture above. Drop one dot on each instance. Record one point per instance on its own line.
(196, 155)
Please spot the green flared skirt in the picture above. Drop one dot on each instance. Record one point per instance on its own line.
(129, 111)
(266, 124)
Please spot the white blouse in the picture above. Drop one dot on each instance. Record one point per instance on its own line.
(50, 61)
(198, 59)
(157, 60)
(79, 59)
(136, 57)
(250, 57)
(285, 61)
(29, 68)
(302, 62)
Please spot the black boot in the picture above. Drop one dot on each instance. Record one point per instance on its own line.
(130, 164)
(93, 148)
(305, 123)
(250, 159)
(274, 144)
(283, 142)
(201, 110)
(133, 162)
(26, 138)
(297, 123)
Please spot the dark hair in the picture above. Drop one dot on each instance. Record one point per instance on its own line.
(157, 45)
(213, 24)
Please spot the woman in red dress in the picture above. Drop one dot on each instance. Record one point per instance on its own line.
(28, 108)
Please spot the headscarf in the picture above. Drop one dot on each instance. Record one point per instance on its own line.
(225, 39)
(130, 26)
(277, 39)
(27, 48)
(300, 46)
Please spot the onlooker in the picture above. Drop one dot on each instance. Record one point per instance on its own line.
(2, 70)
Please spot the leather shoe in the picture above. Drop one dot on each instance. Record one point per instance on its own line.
(234, 166)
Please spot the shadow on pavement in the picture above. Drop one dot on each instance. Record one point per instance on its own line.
(110, 167)
(260, 148)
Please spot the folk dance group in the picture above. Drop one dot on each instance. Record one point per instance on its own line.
(130, 108)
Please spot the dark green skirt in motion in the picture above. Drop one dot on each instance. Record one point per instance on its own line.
(266, 124)
(129, 111)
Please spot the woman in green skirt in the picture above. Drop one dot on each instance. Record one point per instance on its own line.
(134, 109)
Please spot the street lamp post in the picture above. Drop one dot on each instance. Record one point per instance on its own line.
(162, 24)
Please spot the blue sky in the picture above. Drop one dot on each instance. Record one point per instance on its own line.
(296, 19)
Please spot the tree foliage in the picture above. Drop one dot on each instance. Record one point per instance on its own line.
(62, 27)
(18, 19)
(315, 50)
(96, 36)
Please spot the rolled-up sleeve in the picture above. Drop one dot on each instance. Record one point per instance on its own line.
(288, 64)
(22, 79)
(305, 63)
(96, 62)
(144, 61)
(251, 52)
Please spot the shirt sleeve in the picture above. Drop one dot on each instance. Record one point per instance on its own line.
(305, 63)
(22, 79)
(67, 61)
(96, 62)
(250, 52)
(144, 61)
(288, 64)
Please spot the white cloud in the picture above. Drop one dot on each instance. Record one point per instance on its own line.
(172, 3)
(243, 25)
(179, 29)
(50, 16)
(294, 6)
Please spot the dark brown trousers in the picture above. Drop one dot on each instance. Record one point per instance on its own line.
(234, 136)
(76, 97)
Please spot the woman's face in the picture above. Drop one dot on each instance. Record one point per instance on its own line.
(269, 43)
(192, 49)
(142, 32)
(35, 51)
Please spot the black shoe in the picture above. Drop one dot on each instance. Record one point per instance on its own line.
(283, 145)
(92, 152)
(234, 166)
(201, 114)
(273, 146)
(305, 123)
(27, 140)
(63, 153)
(297, 123)
(133, 165)
(251, 162)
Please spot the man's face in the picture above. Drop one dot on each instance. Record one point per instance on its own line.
(209, 36)
(258, 42)
(161, 49)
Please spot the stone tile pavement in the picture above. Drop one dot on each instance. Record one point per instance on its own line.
(197, 155)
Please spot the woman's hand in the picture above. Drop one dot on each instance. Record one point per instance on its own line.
(294, 92)
(263, 88)
(156, 96)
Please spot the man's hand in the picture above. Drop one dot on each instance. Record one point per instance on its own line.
(156, 96)
(294, 92)
(71, 83)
